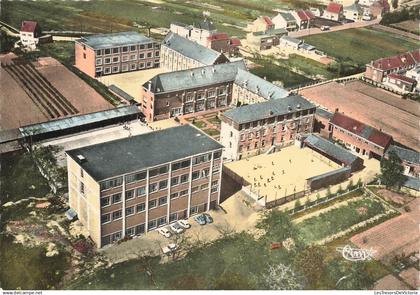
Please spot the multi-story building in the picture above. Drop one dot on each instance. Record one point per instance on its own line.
(253, 129)
(130, 186)
(358, 137)
(106, 54)
(179, 53)
(378, 70)
(285, 20)
(182, 92)
(410, 160)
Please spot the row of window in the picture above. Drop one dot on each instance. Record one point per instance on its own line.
(125, 68)
(125, 58)
(272, 120)
(189, 97)
(126, 49)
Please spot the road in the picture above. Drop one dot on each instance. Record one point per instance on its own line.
(315, 31)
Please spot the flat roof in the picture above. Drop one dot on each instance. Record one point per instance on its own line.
(114, 158)
(329, 173)
(268, 109)
(101, 41)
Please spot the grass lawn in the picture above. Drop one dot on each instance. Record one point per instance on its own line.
(339, 219)
(361, 45)
(212, 131)
(214, 120)
(199, 124)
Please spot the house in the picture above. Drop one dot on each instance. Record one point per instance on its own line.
(353, 12)
(377, 70)
(358, 137)
(261, 24)
(400, 83)
(315, 11)
(30, 32)
(256, 128)
(285, 20)
(333, 152)
(128, 187)
(334, 12)
(265, 40)
(221, 42)
(303, 18)
(410, 160)
(106, 54)
(290, 42)
(414, 74)
(179, 53)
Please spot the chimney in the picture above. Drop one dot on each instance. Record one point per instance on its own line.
(81, 158)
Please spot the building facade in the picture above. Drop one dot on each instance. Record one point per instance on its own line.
(143, 184)
(107, 54)
(254, 129)
(30, 32)
(303, 18)
(410, 160)
(285, 20)
(334, 12)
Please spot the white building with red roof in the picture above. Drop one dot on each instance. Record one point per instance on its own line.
(303, 18)
(400, 83)
(334, 11)
(30, 32)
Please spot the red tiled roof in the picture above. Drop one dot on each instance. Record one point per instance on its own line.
(305, 14)
(267, 20)
(369, 133)
(334, 7)
(402, 78)
(28, 26)
(398, 61)
(235, 42)
(218, 36)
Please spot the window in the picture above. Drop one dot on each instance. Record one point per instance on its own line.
(141, 56)
(152, 204)
(140, 207)
(174, 195)
(129, 211)
(116, 236)
(195, 189)
(174, 180)
(150, 45)
(221, 91)
(124, 68)
(142, 47)
(107, 60)
(98, 69)
(130, 231)
(105, 201)
(149, 54)
(196, 174)
(82, 188)
(116, 215)
(156, 53)
(162, 201)
(204, 186)
(180, 165)
(116, 59)
(184, 178)
(133, 67)
(107, 51)
(211, 93)
(194, 210)
(153, 187)
(107, 70)
(129, 194)
(99, 61)
(111, 183)
(115, 50)
(133, 48)
(161, 221)
(183, 193)
(116, 198)
(216, 167)
(141, 65)
(173, 217)
(84, 55)
(125, 58)
(105, 218)
(98, 52)
(152, 224)
(133, 56)
(140, 229)
(205, 172)
(136, 177)
(201, 159)
(141, 191)
(214, 186)
(115, 69)
(105, 240)
(125, 49)
(163, 184)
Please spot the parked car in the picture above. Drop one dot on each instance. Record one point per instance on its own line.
(184, 223)
(175, 227)
(169, 249)
(208, 218)
(164, 232)
(200, 219)
(325, 28)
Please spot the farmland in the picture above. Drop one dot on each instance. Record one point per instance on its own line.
(361, 45)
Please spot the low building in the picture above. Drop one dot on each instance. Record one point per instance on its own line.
(285, 20)
(322, 123)
(415, 74)
(221, 42)
(303, 18)
(290, 42)
(353, 12)
(334, 12)
(265, 40)
(128, 187)
(253, 129)
(30, 35)
(333, 152)
(378, 70)
(400, 83)
(179, 53)
(261, 24)
(358, 137)
(106, 54)
(410, 160)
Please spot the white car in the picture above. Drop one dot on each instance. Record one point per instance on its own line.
(169, 249)
(184, 223)
(175, 227)
(164, 232)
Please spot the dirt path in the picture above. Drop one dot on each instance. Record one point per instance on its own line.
(396, 31)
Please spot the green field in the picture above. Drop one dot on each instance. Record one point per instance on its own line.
(361, 45)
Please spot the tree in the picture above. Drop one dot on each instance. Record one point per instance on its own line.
(310, 263)
(392, 171)
(281, 277)
(277, 226)
(344, 275)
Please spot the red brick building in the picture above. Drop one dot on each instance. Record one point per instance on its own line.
(221, 42)
(107, 54)
(378, 70)
(358, 137)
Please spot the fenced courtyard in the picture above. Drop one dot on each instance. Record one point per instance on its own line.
(283, 173)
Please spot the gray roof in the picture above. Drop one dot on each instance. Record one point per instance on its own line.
(196, 77)
(413, 183)
(405, 154)
(80, 120)
(268, 109)
(191, 49)
(287, 16)
(117, 90)
(101, 41)
(307, 46)
(291, 39)
(330, 149)
(329, 173)
(324, 113)
(207, 24)
(259, 85)
(114, 158)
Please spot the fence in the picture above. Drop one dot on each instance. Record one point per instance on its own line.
(284, 200)
(380, 85)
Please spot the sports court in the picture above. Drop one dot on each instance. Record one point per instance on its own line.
(282, 173)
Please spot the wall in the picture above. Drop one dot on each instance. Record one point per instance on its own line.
(86, 65)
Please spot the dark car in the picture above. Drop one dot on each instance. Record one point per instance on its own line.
(200, 219)
(208, 218)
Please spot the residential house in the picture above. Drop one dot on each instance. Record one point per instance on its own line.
(410, 160)
(261, 24)
(378, 70)
(128, 187)
(106, 54)
(334, 12)
(400, 83)
(290, 42)
(30, 34)
(221, 42)
(353, 12)
(179, 53)
(358, 137)
(253, 129)
(303, 18)
(265, 40)
(415, 74)
(285, 20)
